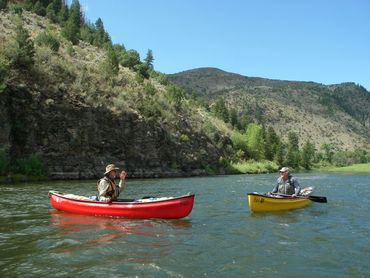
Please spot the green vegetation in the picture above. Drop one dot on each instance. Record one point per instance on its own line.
(29, 167)
(47, 39)
(109, 77)
(254, 167)
(356, 168)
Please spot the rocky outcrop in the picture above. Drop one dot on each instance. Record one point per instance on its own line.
(77, 141)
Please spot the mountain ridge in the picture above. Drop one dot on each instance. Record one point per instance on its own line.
(336, 114)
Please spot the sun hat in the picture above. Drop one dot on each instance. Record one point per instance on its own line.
(284, 169)
(109, 168)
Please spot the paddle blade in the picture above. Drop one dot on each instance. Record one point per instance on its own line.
(318, 199)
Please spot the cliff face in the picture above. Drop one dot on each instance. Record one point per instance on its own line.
(77, 141)
(78, 118)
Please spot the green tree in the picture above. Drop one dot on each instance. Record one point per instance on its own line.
(221, 111)
(234, 120)
(101, 37)
(39, 9)
(4, 68)
(293, 141)
(272, 141)
(148, 61)
(25, 51)
(142, 70)
(53, 10)
(255, 141)
(292, 158)
(71, 30)
(279, 155)
(130, 59)
(63, 14)
(112, 65)
(328, 152)
(87, 33)
(308, 154)
(120, 51)
(47, 39)
(3, 4)
(244, 121)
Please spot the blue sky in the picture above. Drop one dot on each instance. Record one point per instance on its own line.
(325, 41)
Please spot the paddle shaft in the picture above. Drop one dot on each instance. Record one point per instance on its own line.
(317, 199)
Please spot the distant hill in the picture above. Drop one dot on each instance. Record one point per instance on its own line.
(326, 114)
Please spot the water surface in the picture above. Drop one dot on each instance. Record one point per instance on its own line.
(220, 238)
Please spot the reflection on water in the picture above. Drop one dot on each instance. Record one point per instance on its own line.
(91, 231)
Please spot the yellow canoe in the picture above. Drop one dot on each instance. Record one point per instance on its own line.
(262, 203)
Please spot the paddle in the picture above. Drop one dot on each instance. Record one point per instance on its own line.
(317, 199)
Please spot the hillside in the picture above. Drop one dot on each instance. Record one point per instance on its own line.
(66, 110)
(326, 114)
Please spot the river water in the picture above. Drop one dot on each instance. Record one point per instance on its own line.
(220, 238)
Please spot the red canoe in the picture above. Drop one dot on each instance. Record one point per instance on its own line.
(164, 208)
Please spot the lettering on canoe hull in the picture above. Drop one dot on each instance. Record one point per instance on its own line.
(258, 200)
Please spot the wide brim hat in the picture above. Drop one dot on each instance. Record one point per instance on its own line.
(109, 168)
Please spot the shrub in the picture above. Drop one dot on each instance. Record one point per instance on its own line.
(4, 161)
(3, 4)
(30, 165)
(46, 39)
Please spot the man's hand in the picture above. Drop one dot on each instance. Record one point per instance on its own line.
(122, 175)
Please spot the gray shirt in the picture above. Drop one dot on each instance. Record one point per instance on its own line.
(288, 187)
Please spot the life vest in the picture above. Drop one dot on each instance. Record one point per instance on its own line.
(112, 191)
(286, 187)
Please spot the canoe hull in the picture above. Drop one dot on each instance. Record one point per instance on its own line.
(170, 208)
(262, 203)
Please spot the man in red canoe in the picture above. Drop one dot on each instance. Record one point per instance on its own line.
(107, 189)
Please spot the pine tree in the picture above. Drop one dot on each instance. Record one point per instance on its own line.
(221, 111)
(71, 29)
(271, 143)
(112, 62)
(308, 153)
(148, 61)
(292, 158)
(101, 37)
(53, 10)
(24, 54)
(63, 14)
(39, 9)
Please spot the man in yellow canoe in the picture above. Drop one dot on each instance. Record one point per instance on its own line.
(107, 189)
(286, 184)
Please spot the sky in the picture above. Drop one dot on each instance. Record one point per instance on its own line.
(325, 41)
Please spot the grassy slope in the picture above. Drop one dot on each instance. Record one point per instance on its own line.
(356, 168)
(314, 111)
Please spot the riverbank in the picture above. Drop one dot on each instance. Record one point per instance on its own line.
(355, 168)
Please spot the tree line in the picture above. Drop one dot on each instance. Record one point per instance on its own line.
(76, 28)
(255, 141)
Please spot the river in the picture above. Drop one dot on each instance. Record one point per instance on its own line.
(220, 238)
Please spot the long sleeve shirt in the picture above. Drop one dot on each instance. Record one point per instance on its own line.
(105, 190)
